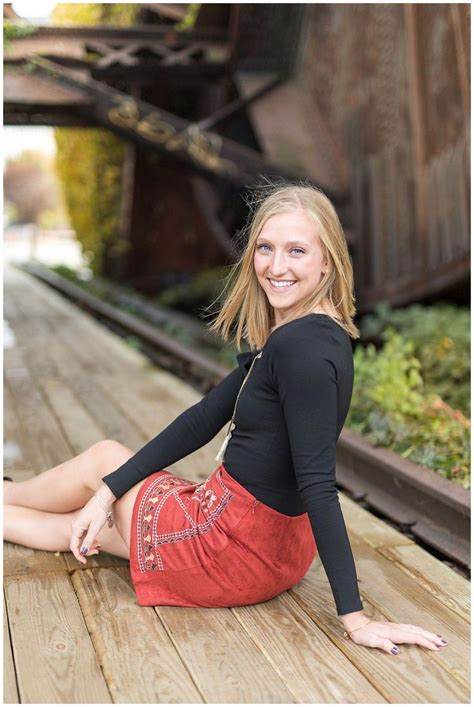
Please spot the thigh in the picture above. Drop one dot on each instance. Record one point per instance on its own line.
(122, 511)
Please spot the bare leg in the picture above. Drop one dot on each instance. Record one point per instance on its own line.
(52, 531)
(70, 485)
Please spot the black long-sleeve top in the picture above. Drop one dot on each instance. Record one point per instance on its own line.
(288, 419)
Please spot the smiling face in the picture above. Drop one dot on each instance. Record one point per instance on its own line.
(288, 260)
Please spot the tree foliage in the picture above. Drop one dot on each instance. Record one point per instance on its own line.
(392, 408)
(89, 160)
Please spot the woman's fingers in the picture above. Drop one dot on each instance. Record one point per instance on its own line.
(386, 635)
(75, 544)
(85, 526)
(407, 634)
(417, 638)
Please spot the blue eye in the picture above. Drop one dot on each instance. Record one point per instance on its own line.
(264, 245)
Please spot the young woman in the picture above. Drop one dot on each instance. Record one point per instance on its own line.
(251, 530)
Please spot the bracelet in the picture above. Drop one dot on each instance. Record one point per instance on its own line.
(349, 633)
(108, 514)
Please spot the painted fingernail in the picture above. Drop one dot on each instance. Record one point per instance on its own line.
(395, 650)
(83, 551)
(443, 641)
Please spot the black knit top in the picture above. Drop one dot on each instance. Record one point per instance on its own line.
(283, 449)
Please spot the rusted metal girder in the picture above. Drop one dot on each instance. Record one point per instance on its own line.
(171, 55)
(142, 32)
(141, 122)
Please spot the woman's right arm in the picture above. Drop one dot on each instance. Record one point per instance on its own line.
(191, 430)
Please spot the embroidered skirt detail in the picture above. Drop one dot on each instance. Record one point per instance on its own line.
(213, 544)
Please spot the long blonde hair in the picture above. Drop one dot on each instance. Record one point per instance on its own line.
(247, 303)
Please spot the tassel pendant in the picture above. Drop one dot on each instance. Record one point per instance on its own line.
(221, 452)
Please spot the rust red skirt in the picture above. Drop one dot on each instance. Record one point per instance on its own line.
(213, 544)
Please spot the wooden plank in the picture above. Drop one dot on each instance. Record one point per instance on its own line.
(19, 560)
(450, 588)
(294, 645)
(40, 434)
(54, 656)
(376, 272)
(158, 396)
(223, 661)
(42, 346)
(415, 671)
(375, 532)
(418, 130)
(391, 594)
(80, 428)
(139, 661)
(103, 560)
(405, 212)
(15, 456)
(10, 691)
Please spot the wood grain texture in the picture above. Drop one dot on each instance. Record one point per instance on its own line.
(138, 660)
(375, 532)
(450, 588)
(20, 560)
(135, 403)
(303, 655)
(15, 455)
(54, 657)
(389, 594)
(223, 661)
(10, 691)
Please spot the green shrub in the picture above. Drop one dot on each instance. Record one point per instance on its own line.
(89, 160)
(15, 30)
(441, 339)
(391, 408)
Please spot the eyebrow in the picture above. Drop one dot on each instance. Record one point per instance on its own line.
(287, 243)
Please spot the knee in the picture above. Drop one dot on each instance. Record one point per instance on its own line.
(110, 449)
(107, 456)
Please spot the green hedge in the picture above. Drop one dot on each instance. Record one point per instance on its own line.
(393, 408)
(89, 160)
(441, 342)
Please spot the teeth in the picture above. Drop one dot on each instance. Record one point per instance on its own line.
(287, 283)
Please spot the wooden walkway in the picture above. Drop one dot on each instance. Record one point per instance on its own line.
(75, 633)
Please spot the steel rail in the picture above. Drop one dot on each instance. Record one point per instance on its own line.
(418, 500)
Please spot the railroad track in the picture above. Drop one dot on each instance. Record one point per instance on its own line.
(415, 500)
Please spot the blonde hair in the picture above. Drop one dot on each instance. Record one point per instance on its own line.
(247, 303)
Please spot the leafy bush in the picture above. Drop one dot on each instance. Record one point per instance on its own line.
(441, 339)
(15, 30)
(89, 160)
(391, 408)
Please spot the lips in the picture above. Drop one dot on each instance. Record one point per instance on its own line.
(281, 288)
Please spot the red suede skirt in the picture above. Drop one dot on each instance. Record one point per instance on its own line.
(213, 544)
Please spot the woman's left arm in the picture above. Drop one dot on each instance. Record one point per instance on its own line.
(307, 381)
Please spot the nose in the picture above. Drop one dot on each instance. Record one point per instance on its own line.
(277, 267)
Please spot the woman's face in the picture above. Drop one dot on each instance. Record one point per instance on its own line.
(288, 251)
